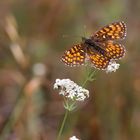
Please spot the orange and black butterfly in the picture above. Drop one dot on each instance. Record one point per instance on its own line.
(99, 49)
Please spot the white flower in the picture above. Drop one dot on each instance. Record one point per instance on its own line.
(112, 67)
(71, 90)
(73, 138)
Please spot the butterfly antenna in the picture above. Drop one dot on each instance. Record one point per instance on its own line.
(85, 29)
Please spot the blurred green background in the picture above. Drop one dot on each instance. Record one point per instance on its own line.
(31, 44)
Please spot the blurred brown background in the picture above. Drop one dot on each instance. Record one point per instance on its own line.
(31, 43)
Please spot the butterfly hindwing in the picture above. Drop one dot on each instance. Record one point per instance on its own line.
(74, 56)
(98, 60)
(113, 50)
(113, 31)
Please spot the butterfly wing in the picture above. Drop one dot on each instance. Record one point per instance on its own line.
(113, 31)
(113, 50)
(98, 60)
(74, 56)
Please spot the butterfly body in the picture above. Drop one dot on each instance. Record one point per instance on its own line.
(100, 48)
(90, 44)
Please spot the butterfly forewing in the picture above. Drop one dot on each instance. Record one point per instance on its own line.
(74, 56)
(116, 30)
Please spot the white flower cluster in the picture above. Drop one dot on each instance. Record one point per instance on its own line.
(73, 138)
(112, 67)
(71, 90)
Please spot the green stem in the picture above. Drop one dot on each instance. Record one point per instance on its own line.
(84, 83)
(62, 125)
(88, 78)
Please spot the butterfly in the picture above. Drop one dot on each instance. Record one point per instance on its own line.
(99, 49)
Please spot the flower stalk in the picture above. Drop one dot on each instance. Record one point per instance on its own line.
(62, 125)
